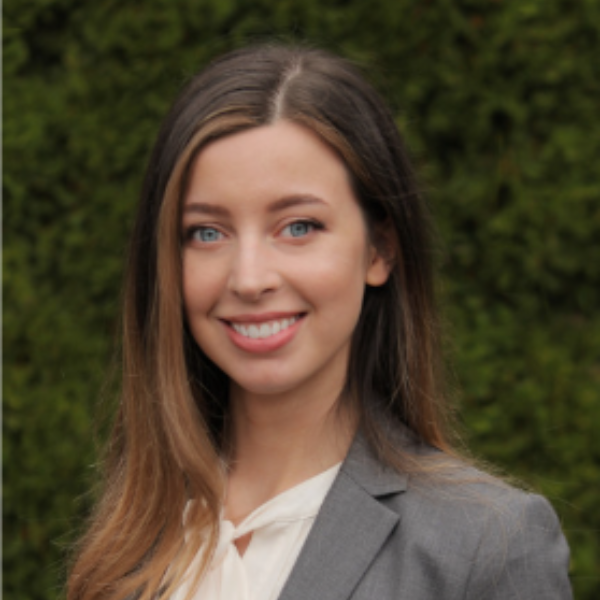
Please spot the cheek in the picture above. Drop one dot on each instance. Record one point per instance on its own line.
(201, 285)
(338, 278)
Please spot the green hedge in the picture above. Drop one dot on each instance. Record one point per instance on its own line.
(499, 101)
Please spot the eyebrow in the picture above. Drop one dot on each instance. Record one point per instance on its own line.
(205, 209)
(279, 205)
(291, 201)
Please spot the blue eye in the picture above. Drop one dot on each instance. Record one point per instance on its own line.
(299, 229)
(207, 234)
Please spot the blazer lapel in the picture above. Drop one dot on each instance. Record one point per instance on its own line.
(349, 530)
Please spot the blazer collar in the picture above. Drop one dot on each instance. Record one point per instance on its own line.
(349, 530)
(377, 479)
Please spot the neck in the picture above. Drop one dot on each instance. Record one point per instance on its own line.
(278, 441)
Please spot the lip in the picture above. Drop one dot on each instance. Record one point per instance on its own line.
(270, 344)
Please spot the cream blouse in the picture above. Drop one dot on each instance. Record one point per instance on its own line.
(279, 529)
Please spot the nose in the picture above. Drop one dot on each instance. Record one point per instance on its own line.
(254, 271)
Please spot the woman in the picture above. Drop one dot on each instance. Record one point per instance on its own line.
(282, 432)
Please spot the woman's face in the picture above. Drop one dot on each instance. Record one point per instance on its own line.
(275, 261)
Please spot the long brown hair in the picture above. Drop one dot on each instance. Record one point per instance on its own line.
(169, 433)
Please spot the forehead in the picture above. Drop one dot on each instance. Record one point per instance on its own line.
(270, 161)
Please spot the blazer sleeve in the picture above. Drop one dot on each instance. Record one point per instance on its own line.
(522, 554)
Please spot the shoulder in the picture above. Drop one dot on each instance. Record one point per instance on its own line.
(466, 534)
(501, 541)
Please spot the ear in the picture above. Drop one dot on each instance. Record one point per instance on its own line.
(378, 270)
(381, 257)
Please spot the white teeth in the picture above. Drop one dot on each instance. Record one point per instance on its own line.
(264, 330)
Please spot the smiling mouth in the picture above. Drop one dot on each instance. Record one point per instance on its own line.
(264, 330)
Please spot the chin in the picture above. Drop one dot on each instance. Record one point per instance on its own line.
(263, 388)
(266, 384)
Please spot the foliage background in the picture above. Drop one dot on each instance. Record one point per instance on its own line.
(499, 101)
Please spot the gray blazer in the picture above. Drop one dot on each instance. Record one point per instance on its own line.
(380, 536)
